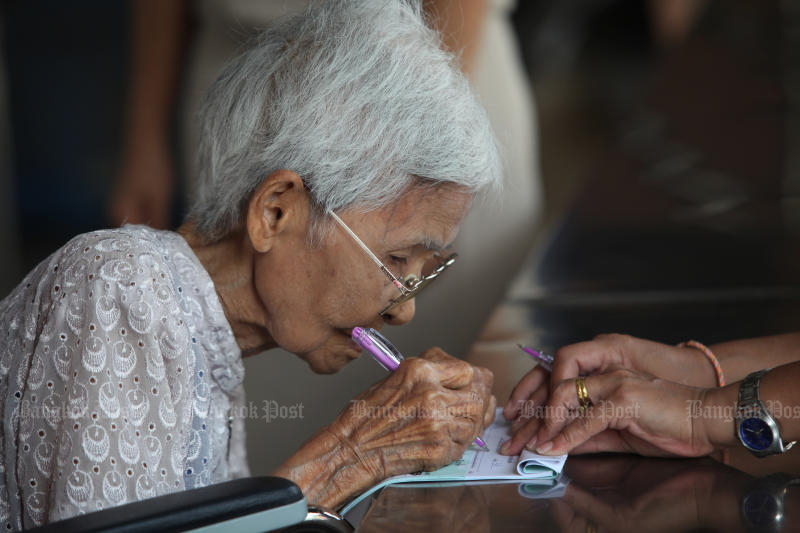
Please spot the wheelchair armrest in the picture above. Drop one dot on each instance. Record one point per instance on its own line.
(250, 504)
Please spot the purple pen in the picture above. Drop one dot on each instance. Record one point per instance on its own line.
(545, 361)
(387, 356)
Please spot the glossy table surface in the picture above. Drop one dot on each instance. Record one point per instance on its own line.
(610, 493)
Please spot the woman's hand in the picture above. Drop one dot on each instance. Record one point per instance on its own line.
(681, 365)
(421, 417)
(631, 412)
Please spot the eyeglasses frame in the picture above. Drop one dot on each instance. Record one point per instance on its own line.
(411, 285)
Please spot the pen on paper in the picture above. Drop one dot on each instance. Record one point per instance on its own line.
(387, 356)
(545, 361)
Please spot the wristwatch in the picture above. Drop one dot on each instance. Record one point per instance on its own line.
(762, 506)
(755, 427)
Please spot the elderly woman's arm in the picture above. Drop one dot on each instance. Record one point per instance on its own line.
(421, 417)
(105, 406)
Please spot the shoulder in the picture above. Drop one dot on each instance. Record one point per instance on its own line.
(123, 256)
(128, 271)
(128, 241)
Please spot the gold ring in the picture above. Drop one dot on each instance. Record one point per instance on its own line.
(591, 527)
(583, 395)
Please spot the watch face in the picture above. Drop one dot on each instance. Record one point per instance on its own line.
(756, 434)
(761, 508)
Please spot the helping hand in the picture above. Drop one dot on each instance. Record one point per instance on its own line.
(681, 365)
(631, 412)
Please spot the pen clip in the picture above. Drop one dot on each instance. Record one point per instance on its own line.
(384, 345)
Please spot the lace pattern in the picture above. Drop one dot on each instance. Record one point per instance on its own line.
(118, 377)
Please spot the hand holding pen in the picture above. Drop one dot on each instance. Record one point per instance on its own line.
(420, 417)
(529, 394)
(389, 357)
(545, 360)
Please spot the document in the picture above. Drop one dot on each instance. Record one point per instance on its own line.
(477, 465)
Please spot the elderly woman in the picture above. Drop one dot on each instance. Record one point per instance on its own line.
(345, 138)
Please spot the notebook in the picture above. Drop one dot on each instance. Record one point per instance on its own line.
(478, 465)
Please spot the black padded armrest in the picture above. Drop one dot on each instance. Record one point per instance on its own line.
(254, 499)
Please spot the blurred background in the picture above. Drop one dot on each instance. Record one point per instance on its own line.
(667, 143)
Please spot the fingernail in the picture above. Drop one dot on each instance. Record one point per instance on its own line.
(531, 443)
(504, 448)
(544, 448)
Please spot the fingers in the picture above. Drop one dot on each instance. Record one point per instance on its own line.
(436, 354)
(532, 408)
(450, 372)
(577, 432)
(562, 427)
(570, 362)
(436, 405)
(526, 386)
(586, 357)
(525, 428)
(524, 436)
(488, 415)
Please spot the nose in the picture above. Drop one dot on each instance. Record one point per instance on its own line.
(401, 314)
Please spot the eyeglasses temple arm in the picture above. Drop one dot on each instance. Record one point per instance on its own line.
(396, 282)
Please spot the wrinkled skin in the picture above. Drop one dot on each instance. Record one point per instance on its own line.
(421, 417)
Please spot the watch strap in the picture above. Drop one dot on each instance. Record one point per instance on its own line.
(748, 391)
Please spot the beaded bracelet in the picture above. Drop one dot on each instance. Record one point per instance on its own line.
(710, 356)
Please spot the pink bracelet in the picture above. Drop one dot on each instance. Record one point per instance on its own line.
(710, 356)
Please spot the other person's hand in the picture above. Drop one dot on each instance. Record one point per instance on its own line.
(687, 366)
(632, 412)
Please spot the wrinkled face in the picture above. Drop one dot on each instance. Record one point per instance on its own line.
(315, 296)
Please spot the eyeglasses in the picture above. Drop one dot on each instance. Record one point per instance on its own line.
(411, 285)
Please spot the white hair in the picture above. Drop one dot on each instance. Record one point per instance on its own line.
(355, 96)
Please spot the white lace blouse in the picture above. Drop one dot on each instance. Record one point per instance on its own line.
(120, 379)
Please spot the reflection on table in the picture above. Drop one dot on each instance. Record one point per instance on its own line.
(607, 493)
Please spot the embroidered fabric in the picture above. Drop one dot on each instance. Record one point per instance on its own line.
(119, 379)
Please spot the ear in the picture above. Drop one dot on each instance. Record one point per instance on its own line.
(278, 202)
